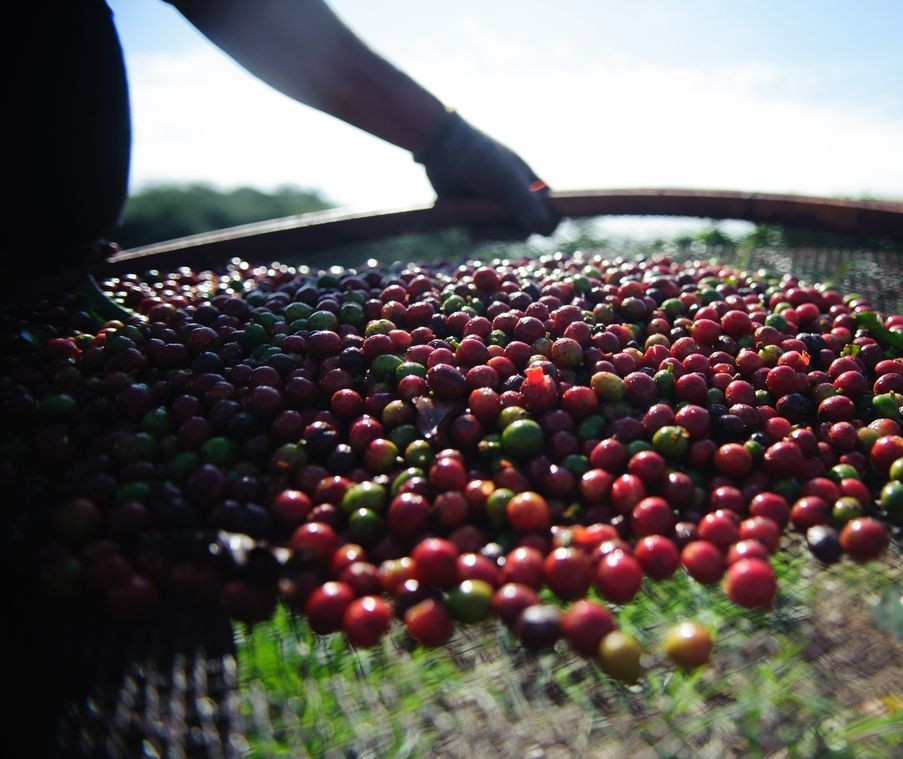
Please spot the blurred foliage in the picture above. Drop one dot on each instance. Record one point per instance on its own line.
(166, 211)
(766, 235)
(715, 239)
(776, 236)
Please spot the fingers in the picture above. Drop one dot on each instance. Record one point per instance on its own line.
(534, 214)
(519, 189)
(525, 196)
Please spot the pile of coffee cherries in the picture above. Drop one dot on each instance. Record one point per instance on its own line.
(533, 439)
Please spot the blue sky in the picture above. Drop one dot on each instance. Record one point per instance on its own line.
(771, 96)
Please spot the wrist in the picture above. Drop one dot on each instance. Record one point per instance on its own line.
(440, 134)
(426, 122)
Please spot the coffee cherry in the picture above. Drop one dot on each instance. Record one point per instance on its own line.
(751, 583)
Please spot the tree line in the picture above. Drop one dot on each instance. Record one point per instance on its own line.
(165, 211)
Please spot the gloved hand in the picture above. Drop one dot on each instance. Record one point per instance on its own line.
(463, 162)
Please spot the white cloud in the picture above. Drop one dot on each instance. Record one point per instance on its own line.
(198, 116)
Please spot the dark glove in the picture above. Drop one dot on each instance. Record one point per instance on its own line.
(463, 162)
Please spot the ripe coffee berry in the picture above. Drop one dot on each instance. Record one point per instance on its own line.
(523, 566)
(619, 577)
(734, 460)
(511, 599)
(703, 561)
(429, 623)
(435, 562)
(610, 455)
(585, 624)
(448, 474)
(751, 583)
(747, 549)
(762, 529)
(528, 513)
(567, 573)
(658, 556)
(652, 516)
(649, 466)
(864, 538)
(770, 505)
(783, 459)
(326, 606)
(366, 620)
(627, 491)
(719, 528)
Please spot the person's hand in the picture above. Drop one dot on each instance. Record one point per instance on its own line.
(461, 161)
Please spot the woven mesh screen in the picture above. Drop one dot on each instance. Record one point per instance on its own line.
(873, 268)
(821, 672)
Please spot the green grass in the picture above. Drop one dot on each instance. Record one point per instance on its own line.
(788, 678)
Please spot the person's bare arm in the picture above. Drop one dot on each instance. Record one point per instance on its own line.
(303, 49)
